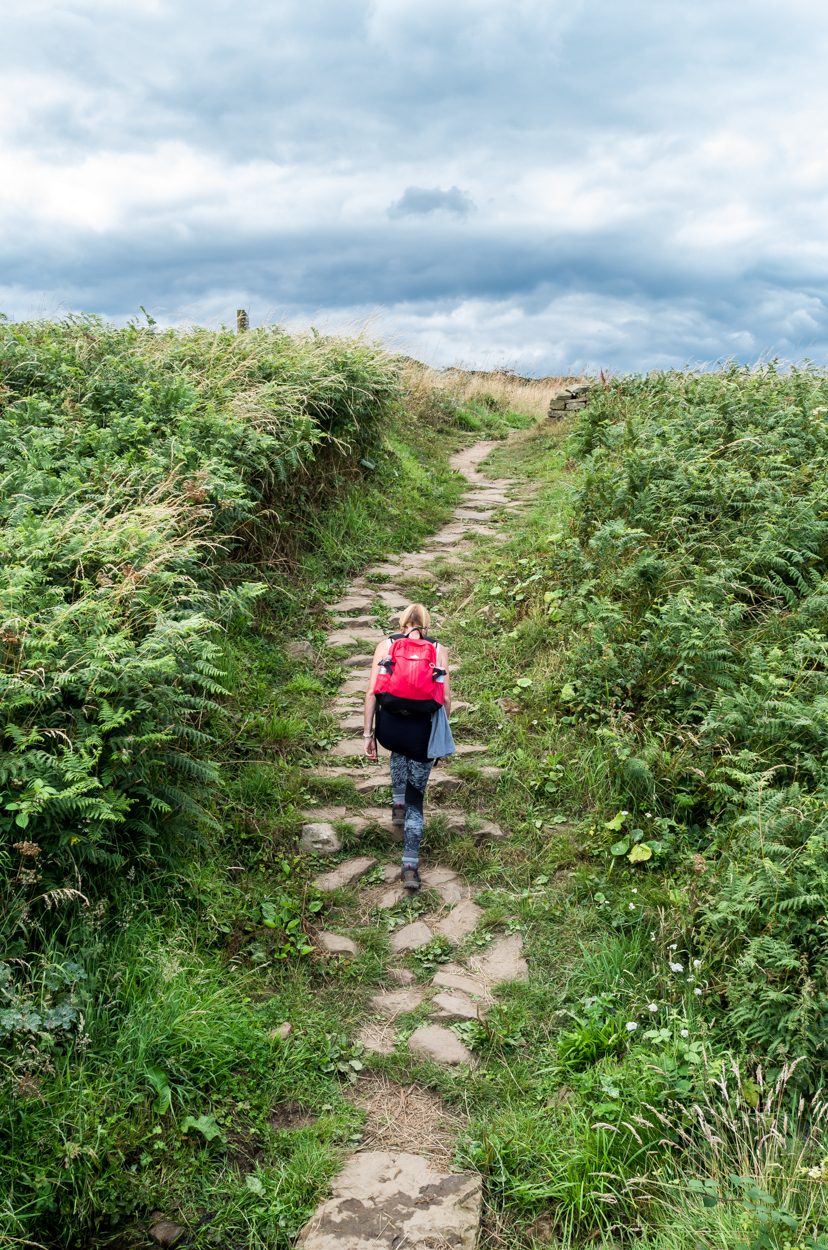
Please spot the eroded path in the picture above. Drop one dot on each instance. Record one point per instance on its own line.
(406, 1197)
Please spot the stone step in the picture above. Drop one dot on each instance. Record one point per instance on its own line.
(446, 1007)
(354, 685)
(345, 874)
(440, 1045)
(410, 938)
(393, 1003)
(438, 780)
(354, 637)
(503, 961)
(393, 599)
(462, 982)
(354, 746)
(384, 1201)
(359, 661)
(460, 922)
(356, 622)
(351, 603)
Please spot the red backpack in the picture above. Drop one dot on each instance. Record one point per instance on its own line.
(408, 684)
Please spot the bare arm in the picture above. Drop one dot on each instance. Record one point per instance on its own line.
(371, 701)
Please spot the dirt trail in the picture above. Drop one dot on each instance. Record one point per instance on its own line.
(404, 1195)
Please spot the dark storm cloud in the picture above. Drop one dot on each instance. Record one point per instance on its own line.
(645, 176)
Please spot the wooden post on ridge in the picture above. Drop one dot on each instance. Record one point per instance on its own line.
(242, 320)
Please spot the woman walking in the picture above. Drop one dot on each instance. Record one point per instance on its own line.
(403, 724)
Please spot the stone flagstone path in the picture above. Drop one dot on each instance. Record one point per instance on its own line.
(382, 1199)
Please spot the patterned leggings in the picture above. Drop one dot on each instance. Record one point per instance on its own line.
(408, 781)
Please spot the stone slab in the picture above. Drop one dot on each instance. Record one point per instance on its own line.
(391, 897)
(345, 874)
(359, 661)
(393, 599)
(439, 1045)
(394, 1003)
(354, 637)
(435, 877)
(384, 1201)
(465, 984)
(336, 944)
(448, 1007)
(353, 746)
(352, 722)
(410, 938)
(351, 603)
(356, 622)
(503, 961)
(319, 838)
(326, 814)
(354, 685)
(460, 922)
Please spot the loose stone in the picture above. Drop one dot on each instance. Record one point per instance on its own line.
(319, 838)
(336, 944)
(300, 650)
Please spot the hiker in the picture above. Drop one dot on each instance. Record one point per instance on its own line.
(408, 700)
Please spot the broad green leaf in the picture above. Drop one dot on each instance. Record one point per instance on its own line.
(205, 1124)
(620, 848)
(254, 1184)
(640, 854)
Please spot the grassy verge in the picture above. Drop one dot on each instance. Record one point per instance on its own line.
(627, 1094)
(177, 508)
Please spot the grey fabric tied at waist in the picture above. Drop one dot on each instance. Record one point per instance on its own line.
(441, 741)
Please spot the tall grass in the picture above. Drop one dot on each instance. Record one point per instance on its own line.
(495, 391)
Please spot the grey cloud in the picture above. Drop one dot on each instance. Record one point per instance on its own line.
(530, 102)
(422, 201)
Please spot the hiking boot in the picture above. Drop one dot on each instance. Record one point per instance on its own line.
(398, 813)
(410, 879)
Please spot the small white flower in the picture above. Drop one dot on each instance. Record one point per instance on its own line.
(649, 815)
(632, 1026)
(674, 947)
(677, 967)
(685, 1032)
(652, 937)
(690, 980)
(635, 891)
(653, 1007)
(697, 993)
(696, 963)
(632, 906)
(625, 813)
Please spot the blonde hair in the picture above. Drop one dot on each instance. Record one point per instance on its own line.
(415, 616)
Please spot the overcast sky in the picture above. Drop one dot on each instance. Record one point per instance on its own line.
(548, 183)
